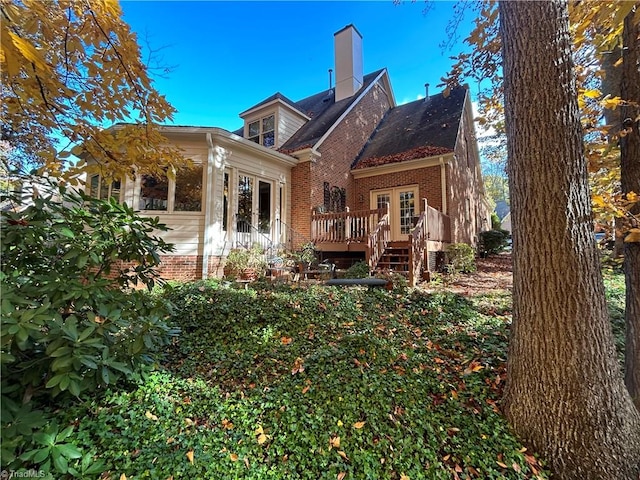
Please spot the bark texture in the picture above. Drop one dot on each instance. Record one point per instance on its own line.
(630, 182)
(565, 394)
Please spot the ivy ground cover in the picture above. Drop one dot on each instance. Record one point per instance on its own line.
(316, 383)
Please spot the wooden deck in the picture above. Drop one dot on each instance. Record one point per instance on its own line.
(369, 231)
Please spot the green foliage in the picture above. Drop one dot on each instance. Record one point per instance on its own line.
(358, 270)
(492, 241)
(495, 221)
(615, 292)
(68, 325)
(308, 383)
(242, 259)
(461, 258)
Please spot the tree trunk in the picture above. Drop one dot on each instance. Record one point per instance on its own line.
(630, 182)
(565, 396)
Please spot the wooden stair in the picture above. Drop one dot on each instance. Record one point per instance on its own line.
(395, 258)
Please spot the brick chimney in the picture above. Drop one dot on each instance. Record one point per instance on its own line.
(348, 58)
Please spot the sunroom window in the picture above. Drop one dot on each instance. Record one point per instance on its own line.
(263, 131)
(99, 188)
(184, 194)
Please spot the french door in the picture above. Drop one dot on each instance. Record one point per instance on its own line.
(403, 208)
(255, 212)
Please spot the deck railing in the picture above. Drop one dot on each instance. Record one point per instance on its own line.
(378, 241)
(418, 245)
(438, 225)
(345, 227)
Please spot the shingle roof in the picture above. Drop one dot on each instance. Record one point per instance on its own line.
(415, 130)
(275, 96)
(324, 112)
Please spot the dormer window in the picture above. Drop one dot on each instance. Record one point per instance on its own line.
(263, 131)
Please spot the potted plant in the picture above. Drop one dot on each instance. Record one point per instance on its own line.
(247, 264)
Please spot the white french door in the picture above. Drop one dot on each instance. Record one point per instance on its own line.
(403, 208)
(255, 210)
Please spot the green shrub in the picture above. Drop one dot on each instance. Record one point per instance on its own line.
(461, 258)
(358, 270)
(68, 324)
(492, 241)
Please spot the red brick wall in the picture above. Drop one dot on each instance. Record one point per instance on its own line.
(180, 267)
(428, 180)
(465, 205)
(301, 193)
(338, 151)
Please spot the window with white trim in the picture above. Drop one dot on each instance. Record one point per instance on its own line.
(263, 131)
(99, 188)
(182, 194)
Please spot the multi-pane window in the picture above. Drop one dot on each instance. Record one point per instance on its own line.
(407, 211)
(263, 131)
(184, 194)
(99, 188)
(188, 190)
(154, 193)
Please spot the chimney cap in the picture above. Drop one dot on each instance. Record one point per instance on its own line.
(351, 25)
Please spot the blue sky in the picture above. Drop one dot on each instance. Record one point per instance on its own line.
(228, 56)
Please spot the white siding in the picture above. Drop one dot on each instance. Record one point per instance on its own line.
(288, 123)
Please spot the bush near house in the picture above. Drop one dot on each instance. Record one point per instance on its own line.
(461, 258)
(68, 325)
(492, 242)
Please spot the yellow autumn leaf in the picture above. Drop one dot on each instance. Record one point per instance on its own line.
(334, 442)
(404, 477)
(359, 425)
(611, 102)
(233, 457)
(259, 430)
(123, 477)
(593, 93)
(190, 456)
(343, 455)
(262, 438)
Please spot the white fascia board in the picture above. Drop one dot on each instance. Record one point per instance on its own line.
(414, 164)
(348, 110)
(227, 138)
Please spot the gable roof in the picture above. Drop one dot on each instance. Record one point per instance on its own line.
(419, 129)
(273, 98)
(324, 112)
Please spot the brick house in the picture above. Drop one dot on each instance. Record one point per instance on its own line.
(346, 169)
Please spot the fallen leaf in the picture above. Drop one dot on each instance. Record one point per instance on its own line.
(262, 438)
(341, 475)
(286, 340)
(404, 477)
(306, 389)
(233, 457)
(503, 465)
(516, 467)
(246, 462)
(150, 415)
(298, 366)
(343, 455)
(359, 425)
(190, 456)
(334, 442)
(123, 477)
(226, 424)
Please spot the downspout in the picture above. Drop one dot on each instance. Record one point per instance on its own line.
(443, 184)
